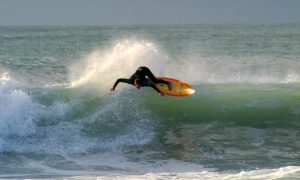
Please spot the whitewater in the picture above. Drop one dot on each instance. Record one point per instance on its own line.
(59, 120)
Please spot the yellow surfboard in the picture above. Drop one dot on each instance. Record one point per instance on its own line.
(179, 88)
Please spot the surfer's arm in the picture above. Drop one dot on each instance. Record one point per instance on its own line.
(118, 81)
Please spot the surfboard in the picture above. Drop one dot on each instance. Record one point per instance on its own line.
(179, 88)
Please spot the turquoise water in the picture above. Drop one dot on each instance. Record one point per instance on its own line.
(58, 119)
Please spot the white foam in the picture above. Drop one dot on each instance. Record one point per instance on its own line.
(19, 116)
(17, 111)
(165, 169)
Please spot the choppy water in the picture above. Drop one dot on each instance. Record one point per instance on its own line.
(57, 118)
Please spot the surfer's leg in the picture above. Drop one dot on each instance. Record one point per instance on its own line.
(146, 72)
(154, 79)
(165, 82)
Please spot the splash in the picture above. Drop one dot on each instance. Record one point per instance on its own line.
(103, 67)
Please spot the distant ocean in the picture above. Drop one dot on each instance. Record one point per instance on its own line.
(58, 119)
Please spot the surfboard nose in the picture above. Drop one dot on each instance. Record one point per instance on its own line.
(190, 91)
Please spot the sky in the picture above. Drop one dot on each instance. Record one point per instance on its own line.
(131, 12)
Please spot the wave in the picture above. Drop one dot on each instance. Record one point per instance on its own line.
(84, 116)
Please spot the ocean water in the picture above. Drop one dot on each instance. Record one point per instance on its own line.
(58, 119)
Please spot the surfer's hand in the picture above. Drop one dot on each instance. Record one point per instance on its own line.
(161, 94)
(112, 89)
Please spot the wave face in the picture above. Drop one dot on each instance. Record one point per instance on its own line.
(57, 117)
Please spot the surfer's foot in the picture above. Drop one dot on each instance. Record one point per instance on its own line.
(170, 86)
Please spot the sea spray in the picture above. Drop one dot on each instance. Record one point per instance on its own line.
(103, 67)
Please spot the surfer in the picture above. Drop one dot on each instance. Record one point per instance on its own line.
(139, 79)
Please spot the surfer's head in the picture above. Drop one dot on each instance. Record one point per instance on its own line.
(137, 83)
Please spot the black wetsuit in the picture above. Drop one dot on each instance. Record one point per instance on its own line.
(141, 73)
